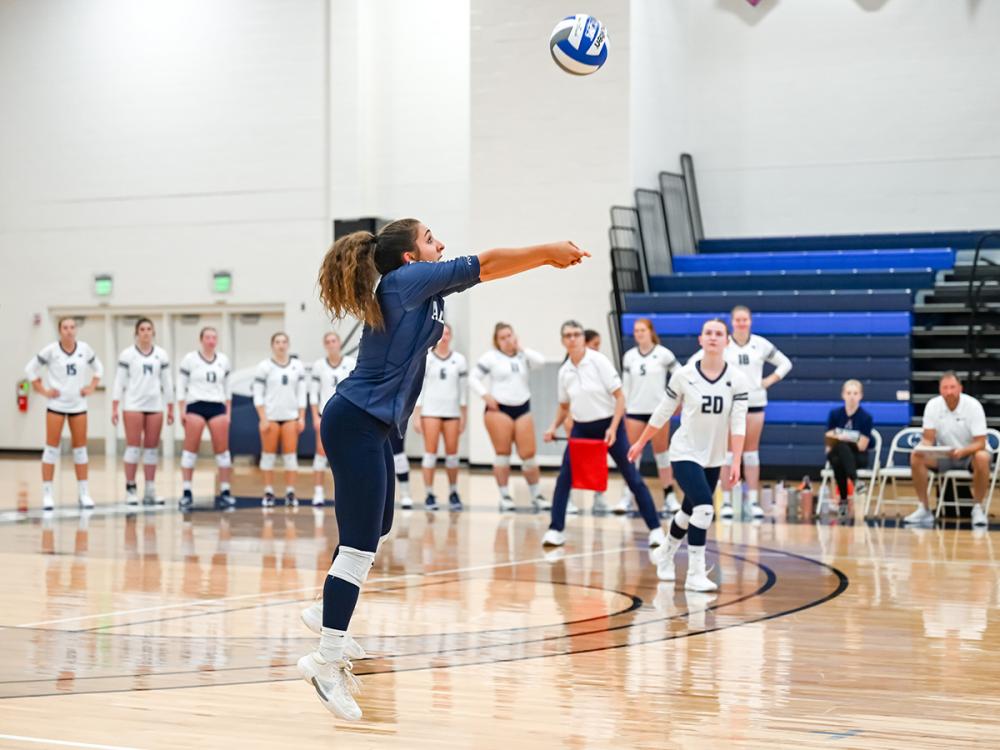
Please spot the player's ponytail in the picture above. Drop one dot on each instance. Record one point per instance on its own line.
(352, 267)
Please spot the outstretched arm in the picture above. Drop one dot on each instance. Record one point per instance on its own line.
(503, 262)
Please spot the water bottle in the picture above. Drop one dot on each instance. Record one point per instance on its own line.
(806, 498)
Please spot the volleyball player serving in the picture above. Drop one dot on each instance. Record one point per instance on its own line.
(403, 317)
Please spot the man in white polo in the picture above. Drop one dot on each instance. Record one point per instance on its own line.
(952, 420)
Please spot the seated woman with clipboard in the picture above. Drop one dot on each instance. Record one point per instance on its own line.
(848, 437)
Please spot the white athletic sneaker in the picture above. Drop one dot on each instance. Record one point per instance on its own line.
(756, 511)
(406, 502)
(86, 501)
(553, 538)
(979, 516)
(920, 516)
(506, 504)
(664, 564)
(726, 512)
(131, 497)
(699, 582)
(335, 684)
(319, 498)
(571, 510)
(542, 503)
(312, 618)
(671, 503)
(657, 537)
(48, 502)
(600, 507)
(624, 506)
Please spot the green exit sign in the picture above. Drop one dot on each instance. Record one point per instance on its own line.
(222, 282)
(103, 284)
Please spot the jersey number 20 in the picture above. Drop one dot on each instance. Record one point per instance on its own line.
(711, 404)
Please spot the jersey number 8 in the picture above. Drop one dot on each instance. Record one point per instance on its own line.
(711, 404)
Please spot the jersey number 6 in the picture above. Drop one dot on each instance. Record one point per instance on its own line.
(711, 404)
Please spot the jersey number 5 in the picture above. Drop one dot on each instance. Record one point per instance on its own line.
(711, 404)
(642, 370)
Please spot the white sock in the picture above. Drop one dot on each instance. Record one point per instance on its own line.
(504, 492)
(696, 559)
(186, 485)
(452, 488)
(598, 497)
(269, 490)
(81, 486)
(535, 489)
(150, 488)
(673, 544)
(727, 497)
(404, 488)
(331, 644)
(319, 489)
(290, 489)
(224, 486)
(753, 495)
(47, 489)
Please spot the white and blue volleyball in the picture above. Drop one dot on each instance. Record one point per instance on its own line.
(579, 44)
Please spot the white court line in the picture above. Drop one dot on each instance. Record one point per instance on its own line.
(182, 605)
(63, 743)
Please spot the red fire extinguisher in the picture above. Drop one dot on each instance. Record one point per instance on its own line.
(23, 388)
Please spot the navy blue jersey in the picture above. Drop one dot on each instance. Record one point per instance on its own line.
(860, 420)
(390, 370)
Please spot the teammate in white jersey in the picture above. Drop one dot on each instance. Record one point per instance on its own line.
(646, 367)
(205, 400)
(72, 372)
(324, 376)
(143, 383)
(441, 411)
(508, 410)
(749, 352)
(279, 395)
(713, 397)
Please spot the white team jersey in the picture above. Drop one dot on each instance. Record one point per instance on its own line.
(508, 376)
(711, 410)
(644, 377)
(324, 378)
(142, 381)
(587, 387)
(750, 359)
(200, 379)
(955, 429)
(444, 391)
(280, 390)
(67, 372)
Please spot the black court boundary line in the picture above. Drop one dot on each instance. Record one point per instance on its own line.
(770, 580)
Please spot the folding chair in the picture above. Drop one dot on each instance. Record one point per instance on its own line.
(954, 476)
(870, 475)
(897, 466)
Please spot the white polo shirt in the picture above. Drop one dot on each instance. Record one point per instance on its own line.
(955, 429)
(588, 386)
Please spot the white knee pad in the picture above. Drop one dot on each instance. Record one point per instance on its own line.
(290, 461)
(429, 461)
(80, 455)
(150, 456)
(132, 454)
(702, 516)
(320, 463)
(267, 461)
(451, 462)
(501, 461)
(529, 463)
(729, 458)
(751, 458)
(681, 519)
(50, 454)
(401, 463)
(188, 459)
(224, 460)
(352, 565)
(662, 460)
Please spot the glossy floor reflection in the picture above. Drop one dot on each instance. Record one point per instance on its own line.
(157, 630)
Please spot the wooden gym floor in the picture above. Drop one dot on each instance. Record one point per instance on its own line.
(151, 630)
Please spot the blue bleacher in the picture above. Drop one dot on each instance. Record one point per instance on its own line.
(788, 281)
(819, 260)
(807, 346)
(765, 324)
(870, 300)
(906, 240)
(815, 412)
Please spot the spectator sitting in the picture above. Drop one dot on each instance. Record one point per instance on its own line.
(848, 437)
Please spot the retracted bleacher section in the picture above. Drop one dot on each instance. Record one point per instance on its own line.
(855, 323)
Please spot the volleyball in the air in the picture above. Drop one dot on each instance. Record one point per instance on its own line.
(579, 44)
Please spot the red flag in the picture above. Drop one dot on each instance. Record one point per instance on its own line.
(588, 461)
